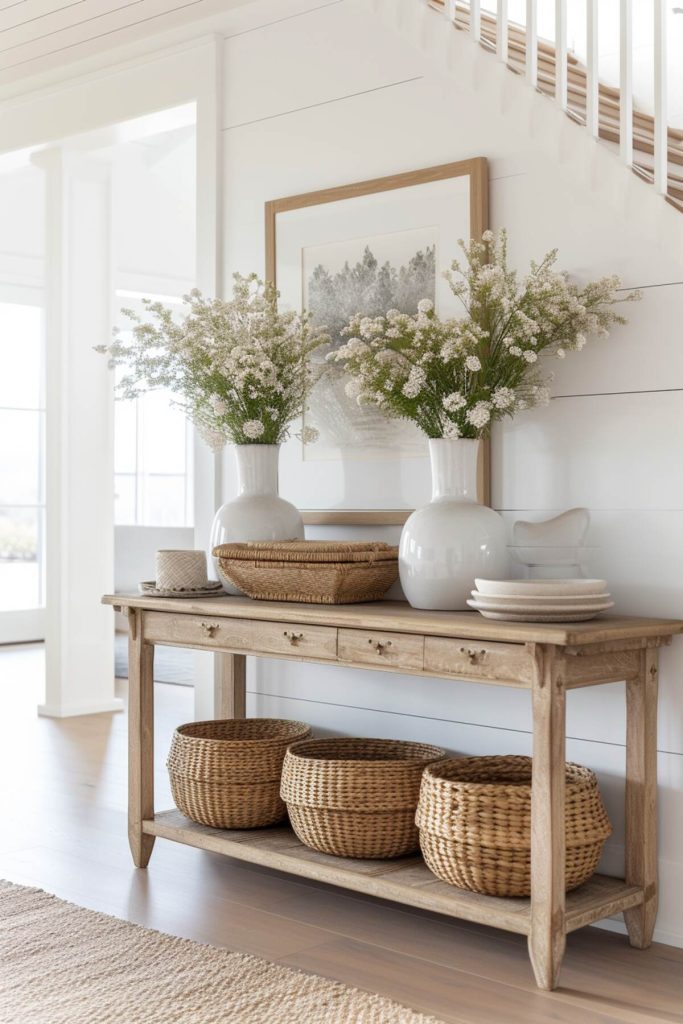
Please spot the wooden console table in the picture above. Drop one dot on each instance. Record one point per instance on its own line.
(547, 660)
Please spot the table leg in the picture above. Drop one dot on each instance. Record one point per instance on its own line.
(547, 936)
(140, 739)
(231, 686)
(641, 797)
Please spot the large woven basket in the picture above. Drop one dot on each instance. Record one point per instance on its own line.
(355, 797)
(474, 818)
(226, 773)
(313, 572)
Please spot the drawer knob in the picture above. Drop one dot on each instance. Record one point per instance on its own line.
(293, 637)
(210, 628)
(473, 655)
(380, 645)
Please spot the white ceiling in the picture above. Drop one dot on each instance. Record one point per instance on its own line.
(42, 35)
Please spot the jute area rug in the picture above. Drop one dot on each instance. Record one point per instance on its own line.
(61, 964)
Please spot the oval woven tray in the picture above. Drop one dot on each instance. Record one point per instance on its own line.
(310, 572)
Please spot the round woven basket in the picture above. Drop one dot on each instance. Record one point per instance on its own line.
(226, 773)
(356, 797)
(474, 818)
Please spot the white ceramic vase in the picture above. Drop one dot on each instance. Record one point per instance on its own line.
(258, 512)
(448, 542)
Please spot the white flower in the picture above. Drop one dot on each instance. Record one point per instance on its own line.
(515, 350)
(473, 364)
(353, 388)
(487, 236)
(218, 405)
(479, 415)
(354, 347)
(415, 382)
(253, 429)
(579, 342)
(309, 435)
(451, 430)
(454, 401)
(542, 395)
(530, 356)
(425, 306)
(214, 438)
(561, 353)
(502, 398)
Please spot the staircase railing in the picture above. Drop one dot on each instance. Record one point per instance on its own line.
(647, 143)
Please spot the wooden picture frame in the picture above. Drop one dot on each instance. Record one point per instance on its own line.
(476, 169)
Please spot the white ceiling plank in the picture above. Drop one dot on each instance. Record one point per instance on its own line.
(105, 28)
(32, 12)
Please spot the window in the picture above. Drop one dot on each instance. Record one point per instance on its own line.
(22, 429)
(152, 453)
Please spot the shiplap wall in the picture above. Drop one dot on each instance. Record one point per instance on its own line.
(334, 95)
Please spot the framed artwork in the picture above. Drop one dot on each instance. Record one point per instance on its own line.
(366, 248)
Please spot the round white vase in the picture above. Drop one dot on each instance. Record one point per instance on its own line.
(258, 512)
(449, 542)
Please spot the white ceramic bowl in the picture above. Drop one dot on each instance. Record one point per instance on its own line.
(541, 588)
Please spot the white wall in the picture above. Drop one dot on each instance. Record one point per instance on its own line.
(355, 100)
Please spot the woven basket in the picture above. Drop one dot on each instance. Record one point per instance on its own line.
(355, 797)
(474, 818)
(226, 774)
(312, 572)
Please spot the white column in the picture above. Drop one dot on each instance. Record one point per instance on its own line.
(207, 466)
(79, 439)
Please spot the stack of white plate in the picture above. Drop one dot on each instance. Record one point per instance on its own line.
(541, 600)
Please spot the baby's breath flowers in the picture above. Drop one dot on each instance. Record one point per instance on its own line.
(241, 368)
(453, 377)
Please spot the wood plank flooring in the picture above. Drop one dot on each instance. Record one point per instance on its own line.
(62, 805)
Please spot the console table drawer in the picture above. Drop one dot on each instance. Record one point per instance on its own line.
(399, 650)
(477, 659)
(290, 638)
(250, 635)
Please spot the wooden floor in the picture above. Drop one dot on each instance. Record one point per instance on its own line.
(62, 804)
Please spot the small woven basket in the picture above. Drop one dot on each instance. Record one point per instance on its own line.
(226, 773)
(474, 818)
(312, 572)
(356, 797)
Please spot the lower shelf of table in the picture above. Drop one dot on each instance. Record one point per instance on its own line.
(404, 880)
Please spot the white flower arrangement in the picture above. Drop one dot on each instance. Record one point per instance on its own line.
(454, 377)
(241, 368)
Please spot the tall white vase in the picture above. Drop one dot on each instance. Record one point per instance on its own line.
(449, 542)
(258, 512)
